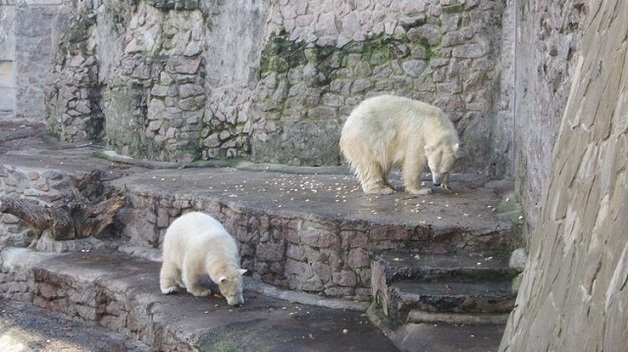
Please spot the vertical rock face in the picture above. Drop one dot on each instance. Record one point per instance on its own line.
(323, 57)
(546, 50)
(7, 60)
(155, 98)
(274, 81)
(73, 94)
(574, 295)
(28, 32)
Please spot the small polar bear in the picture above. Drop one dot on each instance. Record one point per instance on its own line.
(196, 246)
(387, 131)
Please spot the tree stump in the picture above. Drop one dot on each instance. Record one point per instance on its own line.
(86, 212)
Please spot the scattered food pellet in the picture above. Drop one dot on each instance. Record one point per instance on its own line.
(345, 331)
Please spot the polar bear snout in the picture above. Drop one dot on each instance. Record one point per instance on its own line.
(439, 178)
(235, 301)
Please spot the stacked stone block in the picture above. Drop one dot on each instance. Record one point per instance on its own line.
(156, 100)
(73, 95)
(274, 82)
(314, 254)
(323, 58)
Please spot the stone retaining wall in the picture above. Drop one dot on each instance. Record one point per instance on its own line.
(317, 255)
(301, 252)
(293, 250)
(323, 57)
(576, 278)
(274, 82)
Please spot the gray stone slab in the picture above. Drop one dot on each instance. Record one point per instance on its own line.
(124, 293)
(28, 328)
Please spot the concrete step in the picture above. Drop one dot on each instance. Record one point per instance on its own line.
(121, 293)
(412, 287)
(474, 301)
(25, 327)
(407, 264)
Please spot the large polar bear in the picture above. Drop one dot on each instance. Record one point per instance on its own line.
(385, 131)
(196, 246)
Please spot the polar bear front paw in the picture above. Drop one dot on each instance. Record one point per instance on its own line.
(420, 191)
(169, 290)
(379, 190)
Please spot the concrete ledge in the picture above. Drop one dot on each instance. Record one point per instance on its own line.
(121, 292)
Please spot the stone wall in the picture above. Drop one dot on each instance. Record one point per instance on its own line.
(546, 52)
(274, 82)
(311, 253)
(7, 61)
(73, 94)
(323, 57)
(573, 295)
(29, 32)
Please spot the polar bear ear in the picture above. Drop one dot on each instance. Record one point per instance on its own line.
(242, 271)
(222, 279)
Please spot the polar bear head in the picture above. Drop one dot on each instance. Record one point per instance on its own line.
(230, 285)
(440, 160)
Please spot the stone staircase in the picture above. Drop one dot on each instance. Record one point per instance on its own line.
(412, 287)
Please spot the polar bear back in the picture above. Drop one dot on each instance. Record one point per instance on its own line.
(199, 235)
(397, 121)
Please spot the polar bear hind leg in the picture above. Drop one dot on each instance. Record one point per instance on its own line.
(169, 278)
(372, 177)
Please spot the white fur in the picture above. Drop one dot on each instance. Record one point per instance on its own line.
(387, 131)
(196, 246)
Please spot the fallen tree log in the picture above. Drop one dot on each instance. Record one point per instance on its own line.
(86, 212)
